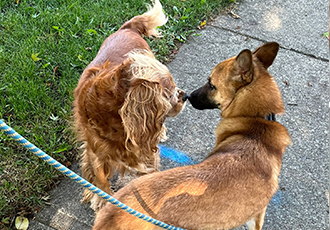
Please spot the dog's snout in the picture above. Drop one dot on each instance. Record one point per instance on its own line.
(185, 97)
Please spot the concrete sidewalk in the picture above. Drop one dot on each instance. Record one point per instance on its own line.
(301, 70)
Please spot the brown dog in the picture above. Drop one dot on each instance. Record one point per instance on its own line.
(121, 102)
(235, 183)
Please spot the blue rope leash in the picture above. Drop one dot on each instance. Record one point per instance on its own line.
(39, 153)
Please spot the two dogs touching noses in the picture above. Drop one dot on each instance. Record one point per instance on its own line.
(121, 102)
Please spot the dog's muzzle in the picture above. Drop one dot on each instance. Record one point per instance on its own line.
(200, 99)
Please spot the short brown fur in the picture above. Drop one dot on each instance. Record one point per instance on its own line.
(120, 105)
(235, 183)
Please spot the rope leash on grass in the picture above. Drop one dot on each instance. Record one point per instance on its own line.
(67, 172)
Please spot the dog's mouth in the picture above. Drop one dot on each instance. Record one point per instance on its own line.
(177, 101)
(178, 96)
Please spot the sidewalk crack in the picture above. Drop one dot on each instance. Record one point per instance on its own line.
(264, 41)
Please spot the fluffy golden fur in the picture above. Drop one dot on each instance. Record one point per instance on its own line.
(235, 183)
(121, 102)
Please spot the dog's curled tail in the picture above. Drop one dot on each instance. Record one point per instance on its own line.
(148, 22)
(155, 17)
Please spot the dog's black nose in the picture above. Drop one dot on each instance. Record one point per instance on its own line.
(185, 97)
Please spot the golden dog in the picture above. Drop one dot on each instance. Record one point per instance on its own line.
(121, 102)
(235, 183)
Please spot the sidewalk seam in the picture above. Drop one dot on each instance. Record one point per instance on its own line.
(264, 41)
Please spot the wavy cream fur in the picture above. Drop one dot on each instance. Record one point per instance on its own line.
(145, 66)
(156, 17)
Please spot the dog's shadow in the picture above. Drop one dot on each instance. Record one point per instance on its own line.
(119, 181)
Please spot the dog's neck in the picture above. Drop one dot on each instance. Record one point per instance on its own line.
(231, 130)
(260, 98)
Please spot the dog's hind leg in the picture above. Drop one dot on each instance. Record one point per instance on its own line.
(257, 222)
(259, 219)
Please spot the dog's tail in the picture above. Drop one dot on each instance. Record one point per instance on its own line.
(148, 22)
(155, 17)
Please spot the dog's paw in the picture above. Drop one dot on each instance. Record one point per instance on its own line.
(87, 196)
(97, 203)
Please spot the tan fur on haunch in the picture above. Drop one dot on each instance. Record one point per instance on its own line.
(120, 105)
(235, 183)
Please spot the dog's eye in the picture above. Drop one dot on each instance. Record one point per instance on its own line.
(212, 87)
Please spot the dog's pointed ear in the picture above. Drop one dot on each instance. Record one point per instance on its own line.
(143, 114)
(244, 65)
(266, 53)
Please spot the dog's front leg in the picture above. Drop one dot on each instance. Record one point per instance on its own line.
(103, 183)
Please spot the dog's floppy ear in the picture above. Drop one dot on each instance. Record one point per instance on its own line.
(143, 114)
(244, 65)
(266, 53)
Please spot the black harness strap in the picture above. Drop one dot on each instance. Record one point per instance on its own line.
(270, 117)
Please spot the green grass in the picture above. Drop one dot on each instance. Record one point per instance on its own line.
(44, 47)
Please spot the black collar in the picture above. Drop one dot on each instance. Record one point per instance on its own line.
(270, 117)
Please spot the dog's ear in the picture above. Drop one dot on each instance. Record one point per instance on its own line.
(143, 114)
(244, 65)
(266, 53)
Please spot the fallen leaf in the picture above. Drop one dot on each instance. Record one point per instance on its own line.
(45, 198)
(35, 57)
(202, 25)
(68, 164)
(91, 31)
(21, 223)
(236, 16)
(80, 57)
(55, 69)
